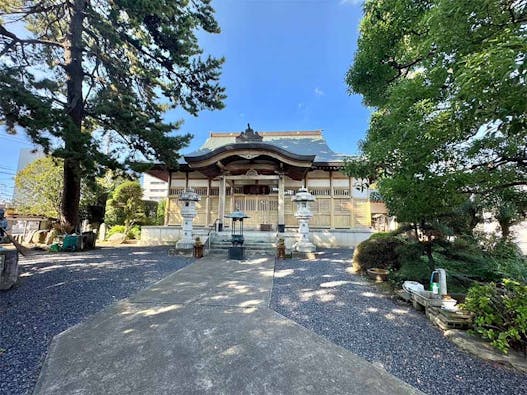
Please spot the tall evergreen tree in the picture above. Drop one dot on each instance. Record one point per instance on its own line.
(90, 80)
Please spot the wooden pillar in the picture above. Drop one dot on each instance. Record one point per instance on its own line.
(233, 208)
(167, 203)
(331, 201)
(281, 203)
(207, 206)
(352, 212)
(221, 203)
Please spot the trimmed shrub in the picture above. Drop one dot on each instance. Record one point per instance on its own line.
(500, 313)
(380, 252)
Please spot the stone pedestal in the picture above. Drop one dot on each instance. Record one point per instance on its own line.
(304, 245)
(8, 268)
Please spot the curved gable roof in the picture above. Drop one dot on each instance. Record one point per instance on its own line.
(296, 143)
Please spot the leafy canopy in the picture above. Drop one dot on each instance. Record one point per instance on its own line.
(39, 188)
(90, 80)
(126, 204)
(447, 81)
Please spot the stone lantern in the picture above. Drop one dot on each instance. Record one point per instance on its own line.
(304, 214)
(188, 212)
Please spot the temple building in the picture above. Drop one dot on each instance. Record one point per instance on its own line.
(258, 173)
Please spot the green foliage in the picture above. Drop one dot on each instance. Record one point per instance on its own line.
(115, 229)
(150, 208)
(39, 188)
(500, 313)
(160, 213)
(133, 233)
(113, 215)
(90, 81)
(450, 118)
(126, 205)
(378, 251)
(510, 262)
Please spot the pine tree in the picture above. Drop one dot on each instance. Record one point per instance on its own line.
(90, 80)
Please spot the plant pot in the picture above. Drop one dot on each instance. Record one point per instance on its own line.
(379, 275)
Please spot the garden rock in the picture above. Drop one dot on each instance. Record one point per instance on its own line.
(484, 350)
(117, 238)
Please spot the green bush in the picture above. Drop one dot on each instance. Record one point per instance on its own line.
(115, 229)
(412, 263)
(500, 313)
(133, 233)
(380, 252)
(510, 263)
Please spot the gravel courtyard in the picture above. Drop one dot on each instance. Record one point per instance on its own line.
(56, 292)
(348, 310)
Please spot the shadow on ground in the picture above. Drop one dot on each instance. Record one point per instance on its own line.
(347, 309)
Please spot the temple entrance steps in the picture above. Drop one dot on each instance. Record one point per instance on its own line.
(261, 243)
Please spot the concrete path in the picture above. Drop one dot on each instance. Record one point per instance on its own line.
(205, 329)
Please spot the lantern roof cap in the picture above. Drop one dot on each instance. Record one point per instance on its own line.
(189, 196)
(303, 195)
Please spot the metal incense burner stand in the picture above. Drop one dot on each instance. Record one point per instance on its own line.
(237, 251)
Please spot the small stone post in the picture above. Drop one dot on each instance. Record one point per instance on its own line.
(304, 214)
(188, 212)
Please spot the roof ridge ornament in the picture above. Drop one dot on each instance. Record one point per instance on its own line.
(248, 135)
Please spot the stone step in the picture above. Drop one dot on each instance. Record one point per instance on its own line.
(248, 246)
(223, 252)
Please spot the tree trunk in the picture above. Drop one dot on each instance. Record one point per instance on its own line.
(505, 230)
(71, 195)
(75, 109)
(428, 250)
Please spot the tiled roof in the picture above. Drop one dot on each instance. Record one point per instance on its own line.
(297, 142)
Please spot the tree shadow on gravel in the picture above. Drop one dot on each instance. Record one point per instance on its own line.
(57, 291)
(349, 310)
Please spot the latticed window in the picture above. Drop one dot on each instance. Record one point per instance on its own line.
(176, 191)
(320, 191)
(341, 191)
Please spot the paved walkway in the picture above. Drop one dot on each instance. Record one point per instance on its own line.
(205, 329)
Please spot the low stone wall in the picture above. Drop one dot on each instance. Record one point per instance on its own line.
(339, 238)
(8, 268)
(335, 238)
(167, 235)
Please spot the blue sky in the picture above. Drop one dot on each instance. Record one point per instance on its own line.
(285, 67)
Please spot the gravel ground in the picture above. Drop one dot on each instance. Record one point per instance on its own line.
(56, 292)
(348, 310)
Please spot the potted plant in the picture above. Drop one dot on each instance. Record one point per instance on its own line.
(377, 274)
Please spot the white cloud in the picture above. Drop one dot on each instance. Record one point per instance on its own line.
(319, 92)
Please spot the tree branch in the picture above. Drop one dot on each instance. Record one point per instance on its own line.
(17, 40)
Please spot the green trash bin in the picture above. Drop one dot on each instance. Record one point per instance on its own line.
(71, 243)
